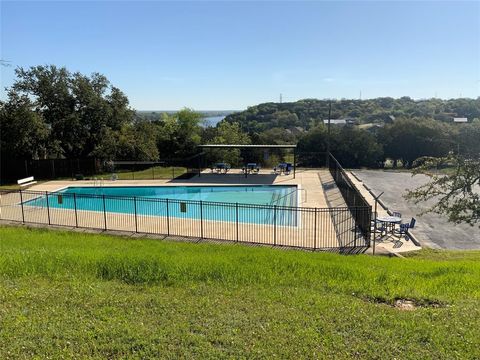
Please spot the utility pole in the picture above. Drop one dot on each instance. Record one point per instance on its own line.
(280, 98)
(328, 132)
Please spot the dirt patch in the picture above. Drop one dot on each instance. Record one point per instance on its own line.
(410, 304)
(407, 304)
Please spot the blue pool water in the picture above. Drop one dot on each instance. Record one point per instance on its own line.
(195, 202)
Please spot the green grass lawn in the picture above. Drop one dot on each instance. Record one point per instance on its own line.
(15, 186)
(76, 295)
(156, 172)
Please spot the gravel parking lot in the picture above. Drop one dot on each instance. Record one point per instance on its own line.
(432, 230)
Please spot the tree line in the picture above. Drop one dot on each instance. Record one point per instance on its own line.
(51, 112)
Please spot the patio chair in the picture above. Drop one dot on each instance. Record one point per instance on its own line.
(412, 223)
(250, 167)
(288, 168)
(213, 168)
(405, 227)
(381, 226)
(222, 167)
(280, 168)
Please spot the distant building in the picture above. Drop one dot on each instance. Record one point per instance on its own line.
(346, 121)
(460, 120)
(336, 121)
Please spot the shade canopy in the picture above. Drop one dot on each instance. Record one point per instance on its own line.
(250, 146)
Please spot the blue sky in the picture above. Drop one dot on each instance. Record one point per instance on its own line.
(230, 55)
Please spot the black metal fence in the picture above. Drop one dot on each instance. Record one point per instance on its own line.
(48, 169)
(300, 227)
(52, 169)
(352, 197)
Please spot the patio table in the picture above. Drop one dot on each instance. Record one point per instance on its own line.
(390, 221)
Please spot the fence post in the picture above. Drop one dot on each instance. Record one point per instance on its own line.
(368, 222)
(75, 207)
(53, 168)
(135, 207)
(21, 203)
(356, 223)
(315, 231)
(104, 212)
(168, 220)
(274, 224)
(48, 207)
(201, 219)
(236, 218)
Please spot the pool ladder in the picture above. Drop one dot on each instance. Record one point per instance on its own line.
(98, 182)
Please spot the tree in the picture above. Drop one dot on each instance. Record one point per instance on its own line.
(179, 133)
(468, 139)
(352, 146)
(132, 142)
(456, 195)
(23, 133)
(228, 133)
(410, 139)
(78, 110)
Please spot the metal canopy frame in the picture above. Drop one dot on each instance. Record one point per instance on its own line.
(242, 146)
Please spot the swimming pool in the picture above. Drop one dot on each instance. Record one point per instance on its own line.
(260, 204)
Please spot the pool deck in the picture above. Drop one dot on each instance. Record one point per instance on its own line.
(315, 229)
(311, 193)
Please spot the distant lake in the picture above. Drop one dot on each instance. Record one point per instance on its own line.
(213, 120)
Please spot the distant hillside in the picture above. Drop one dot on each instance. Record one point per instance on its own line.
(304, 114)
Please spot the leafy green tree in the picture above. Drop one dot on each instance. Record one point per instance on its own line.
(179, 133)
(23, 133)
(410, 139)
(228, 133)
(276, 135)
(456, 194)
(354, 147)
(146, 141)
(136, 141)
(76, 108)
(468, 139)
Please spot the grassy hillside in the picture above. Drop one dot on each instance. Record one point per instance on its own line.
(83, 295)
